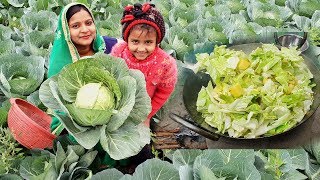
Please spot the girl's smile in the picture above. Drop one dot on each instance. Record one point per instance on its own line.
(142, 43)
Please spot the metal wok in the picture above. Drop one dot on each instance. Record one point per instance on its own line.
(194, 82)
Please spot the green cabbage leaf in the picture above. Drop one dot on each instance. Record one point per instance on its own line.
(103, 101)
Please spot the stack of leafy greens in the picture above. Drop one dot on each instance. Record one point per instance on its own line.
(264, 93)
(101, 100)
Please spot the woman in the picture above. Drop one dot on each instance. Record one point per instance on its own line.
(76, 37)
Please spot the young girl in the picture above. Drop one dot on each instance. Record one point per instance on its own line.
(142, 31)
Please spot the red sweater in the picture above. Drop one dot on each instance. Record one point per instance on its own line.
(159, 69)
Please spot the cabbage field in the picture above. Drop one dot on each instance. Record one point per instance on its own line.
(27, 29)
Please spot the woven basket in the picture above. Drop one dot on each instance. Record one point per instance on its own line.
(29, 125)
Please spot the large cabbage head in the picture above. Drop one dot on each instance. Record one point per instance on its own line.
(94, 96)
(101, 99)
(92, 92)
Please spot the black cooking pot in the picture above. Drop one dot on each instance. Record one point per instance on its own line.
(193, 85)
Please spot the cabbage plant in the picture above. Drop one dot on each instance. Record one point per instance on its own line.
(20, 75)
(267, 14)
(102, 101)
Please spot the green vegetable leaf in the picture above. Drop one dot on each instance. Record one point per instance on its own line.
(5, 32)
(299, 158)
(141, 108)
(37, 167)
(128, 90)
(206, 174)
(155, 169)
(108, 174)
(185, 157)
(87, 137)
(41, 21)
(294, 175)
(21, 75)
(125, 141)
(227, 163)
(16, 3)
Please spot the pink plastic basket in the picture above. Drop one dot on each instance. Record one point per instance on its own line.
(29, 125)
